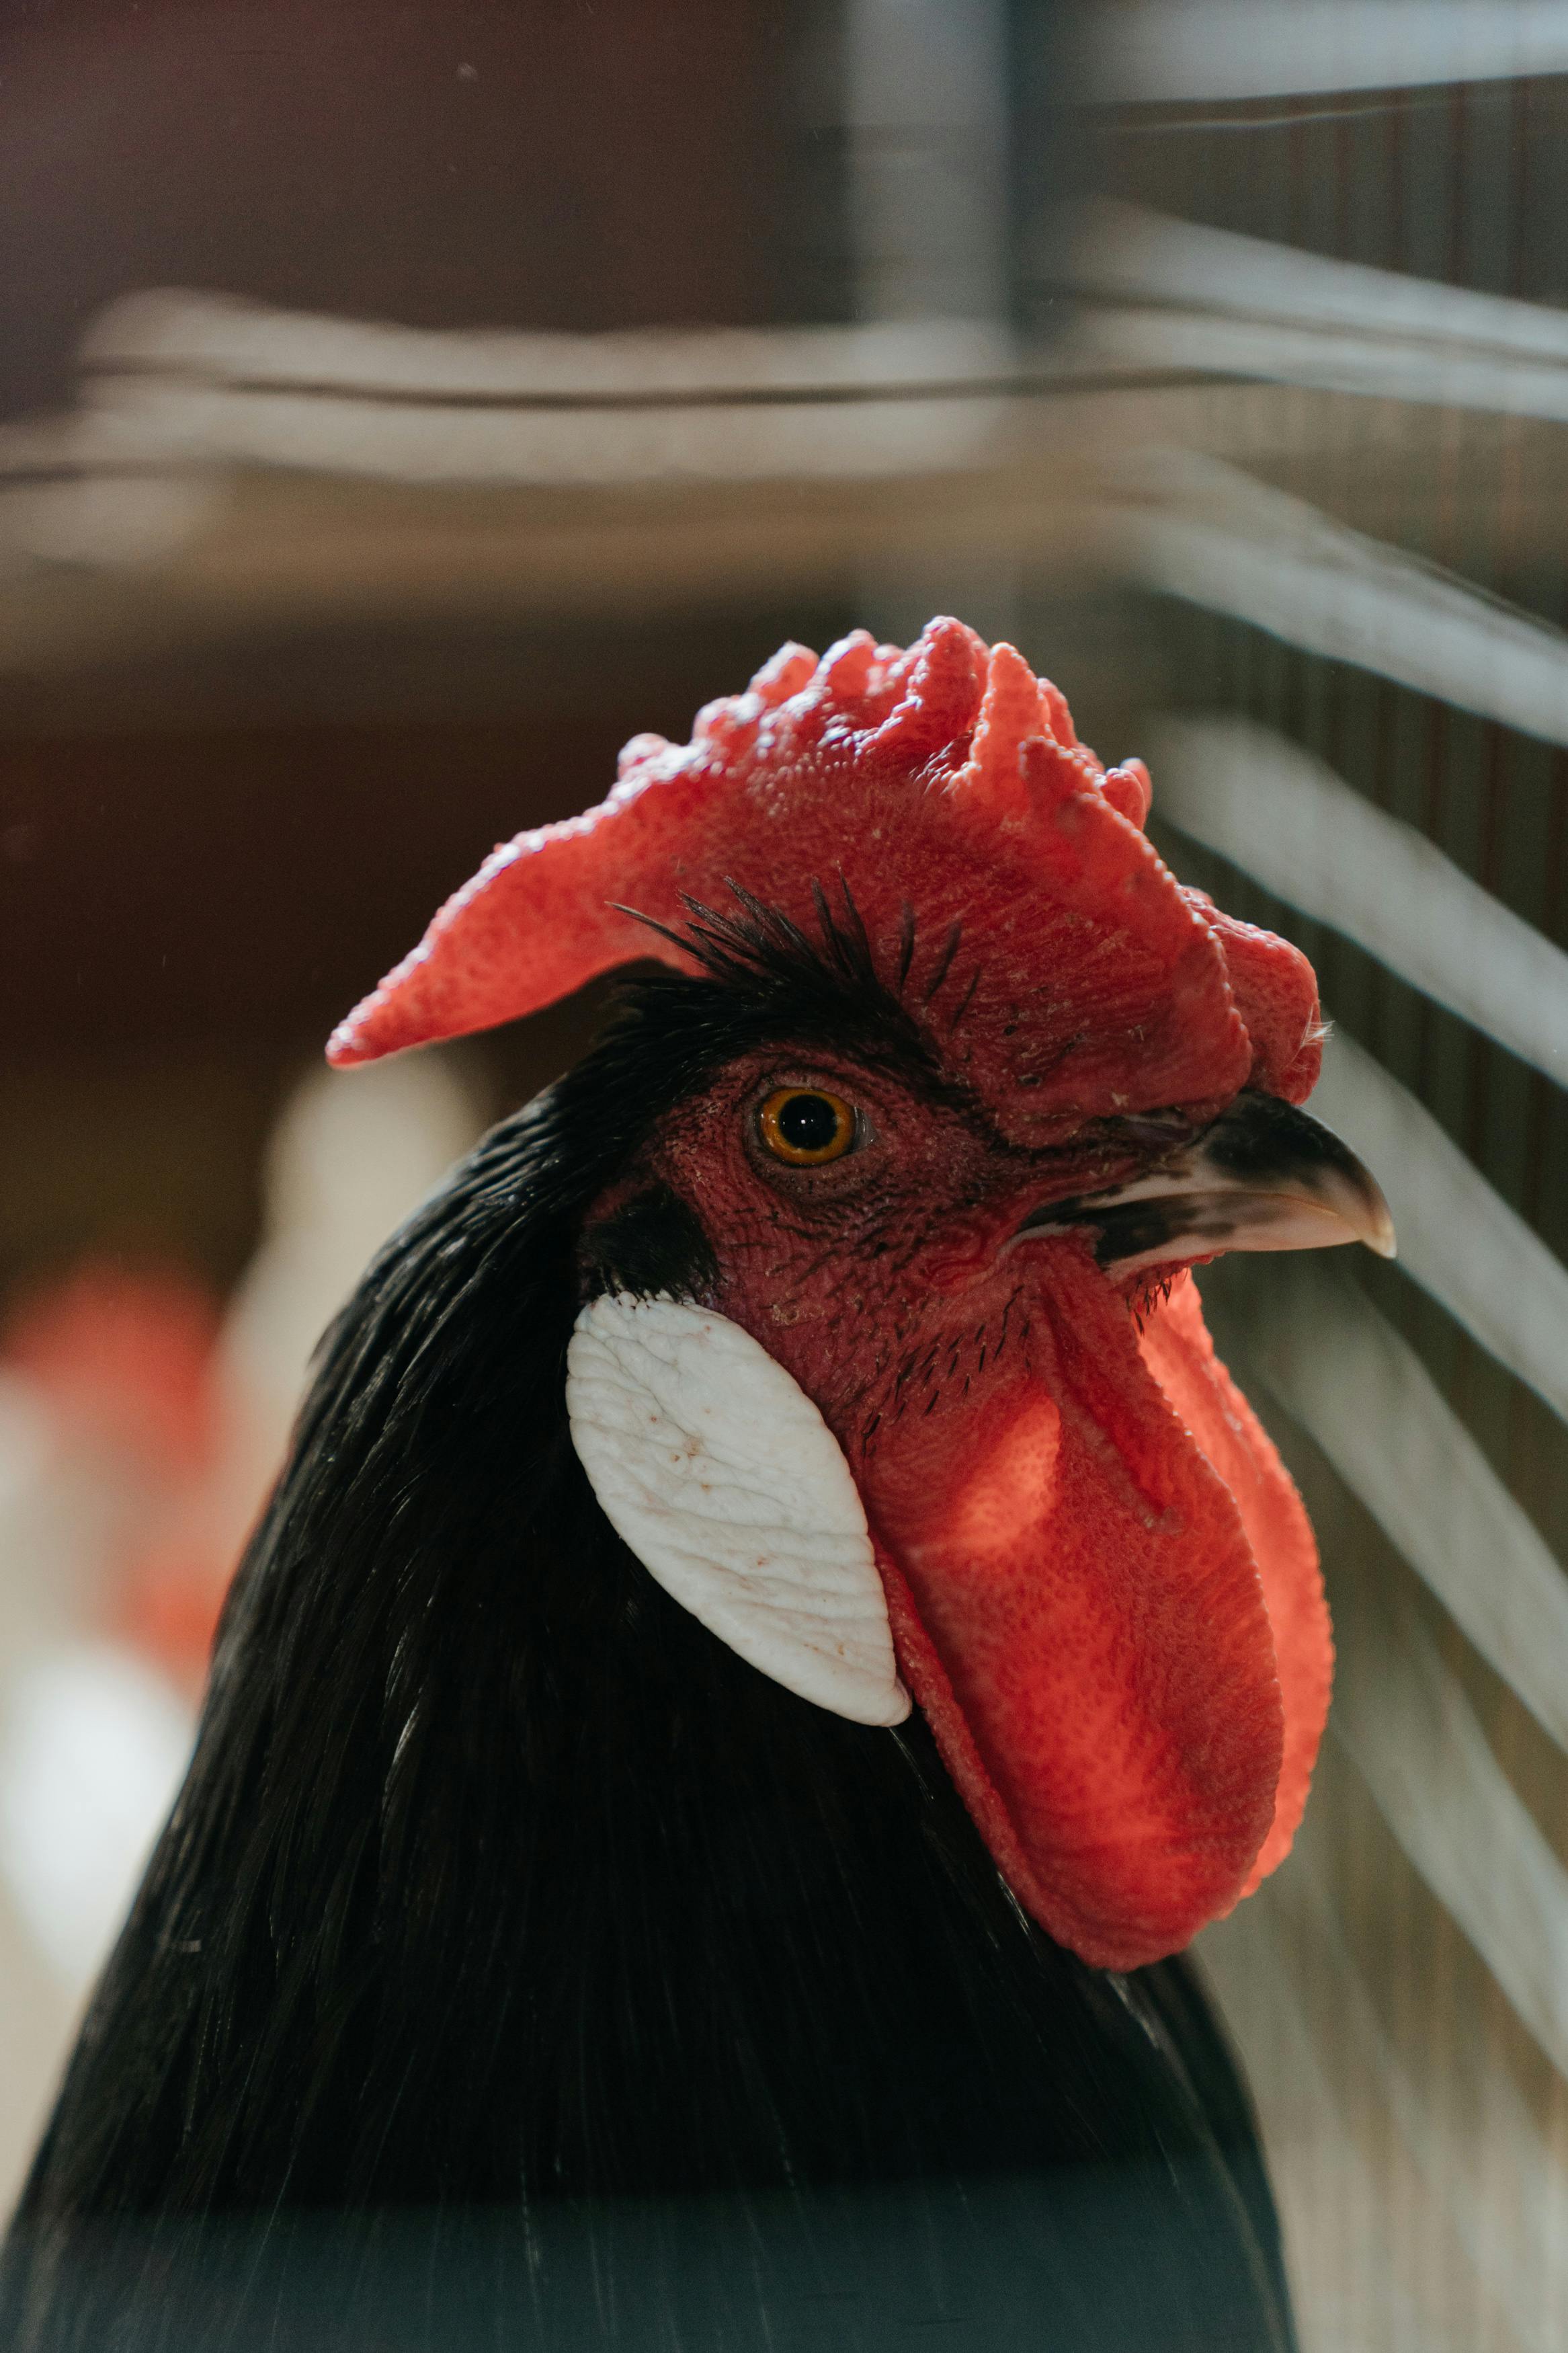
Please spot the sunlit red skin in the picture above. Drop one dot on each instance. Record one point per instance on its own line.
(1083, 1576)
(1102, 1591)
(1178, 1351)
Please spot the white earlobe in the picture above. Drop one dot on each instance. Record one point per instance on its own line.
(719, 1472)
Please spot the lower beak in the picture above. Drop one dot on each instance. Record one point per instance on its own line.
(1263, 1177)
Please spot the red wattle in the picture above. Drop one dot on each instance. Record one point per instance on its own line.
(1077, 1608)
(1180, 1354)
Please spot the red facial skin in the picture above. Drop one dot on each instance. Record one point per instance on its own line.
(1091, 1554)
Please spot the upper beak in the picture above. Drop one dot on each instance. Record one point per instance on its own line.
(1263, 1177)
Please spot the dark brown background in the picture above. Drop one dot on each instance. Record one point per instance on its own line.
(191, 898)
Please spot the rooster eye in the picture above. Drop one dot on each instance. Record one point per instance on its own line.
(806, 1126)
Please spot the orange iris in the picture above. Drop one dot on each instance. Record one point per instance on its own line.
(806, 1126)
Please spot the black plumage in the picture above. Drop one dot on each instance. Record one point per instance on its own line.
(503, 1898)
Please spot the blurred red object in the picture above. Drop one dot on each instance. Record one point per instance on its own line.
(124, 1363)
(124, 1359)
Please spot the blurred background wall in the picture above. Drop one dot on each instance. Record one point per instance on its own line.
(403, 407)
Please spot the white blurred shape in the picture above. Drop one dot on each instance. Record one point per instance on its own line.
(1166, 51)
(93, 1736)
(75, 490)
(1368, 1401)
(212, 377)
(68, 1861)
(1196, 528)
(55, 1523)
(1282, 815)
(51, 1531)
(353, 1153)
(1153, 257)
(93, 1745)
(1368, 1404)
(1225, 304)
(223, 339)
(1330, 2084)
(1457, 1238)
(926, 100)
(1419, 1745)
(1378, 368)
(105, 520)
(926, 95)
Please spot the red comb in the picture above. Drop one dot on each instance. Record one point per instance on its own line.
(945, 781)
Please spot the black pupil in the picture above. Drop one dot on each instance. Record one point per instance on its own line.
(808, 1122)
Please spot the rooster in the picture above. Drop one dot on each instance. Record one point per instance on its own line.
(776, 1629)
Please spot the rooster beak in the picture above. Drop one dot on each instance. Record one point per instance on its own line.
(1263, 1177)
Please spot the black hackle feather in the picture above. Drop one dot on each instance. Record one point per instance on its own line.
(519, 1968)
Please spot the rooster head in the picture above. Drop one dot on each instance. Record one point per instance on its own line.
(889, 1365)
